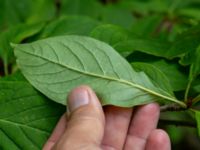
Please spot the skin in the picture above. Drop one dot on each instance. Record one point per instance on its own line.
(88, 126)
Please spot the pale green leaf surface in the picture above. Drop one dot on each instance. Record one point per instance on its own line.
(26, 117)
(56, 65)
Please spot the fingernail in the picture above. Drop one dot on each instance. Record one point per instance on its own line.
(78, 97)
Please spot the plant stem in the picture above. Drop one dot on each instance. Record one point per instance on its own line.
(171, 107)
(5, 68)
(187, 91)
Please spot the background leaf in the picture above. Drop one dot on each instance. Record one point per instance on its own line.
(122, 17)
(26, 117)
(185, 42)
(197, 116)
(154, 47)
(111, 34)
(25, 11)
(195, 67)
(16, 35)
(80, 25)
(156, 75)
(174, 73)
(90, 8)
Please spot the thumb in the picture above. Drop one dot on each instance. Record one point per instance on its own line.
(85, 126)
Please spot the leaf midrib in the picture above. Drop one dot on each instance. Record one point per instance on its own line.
(108, 78)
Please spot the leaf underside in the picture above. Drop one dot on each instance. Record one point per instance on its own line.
(57, 65)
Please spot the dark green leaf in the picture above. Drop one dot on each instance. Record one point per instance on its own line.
(197, 115)
(150, 46)
(177, 78)
(41, 10)
(157, 76)
(16, 35)
(114, 15)
(17, 76)
(186, 116)
(26, 117)
(190, 13)
(147, 26)
(110, 34)
(144, 7)
(197, 88)
(23, 11)
(80, 25)
(195, 66)
(186, 42)
(56, 65)
(90, 8)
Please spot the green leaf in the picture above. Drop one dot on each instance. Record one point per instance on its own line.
(26, 117)
(112, 14)
(149, 46)
(56, 65)
(147, 26)
(197, 116)
(172, 71)
(186, 42)
(17, 76)
(145, 7)
(157, 76)
(16, 35)
(194, 70)
(25, 11)
(110, 34)
(80, 25)
(90, 8)
(190, 12)
(197, 88)
(41, 10)
(195, 67)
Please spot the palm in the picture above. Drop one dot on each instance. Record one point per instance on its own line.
(126, 129)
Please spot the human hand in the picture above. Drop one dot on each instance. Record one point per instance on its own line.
(89, 127)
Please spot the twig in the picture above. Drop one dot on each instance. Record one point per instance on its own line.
(171, 107)
(187, 90)
(5, 68)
